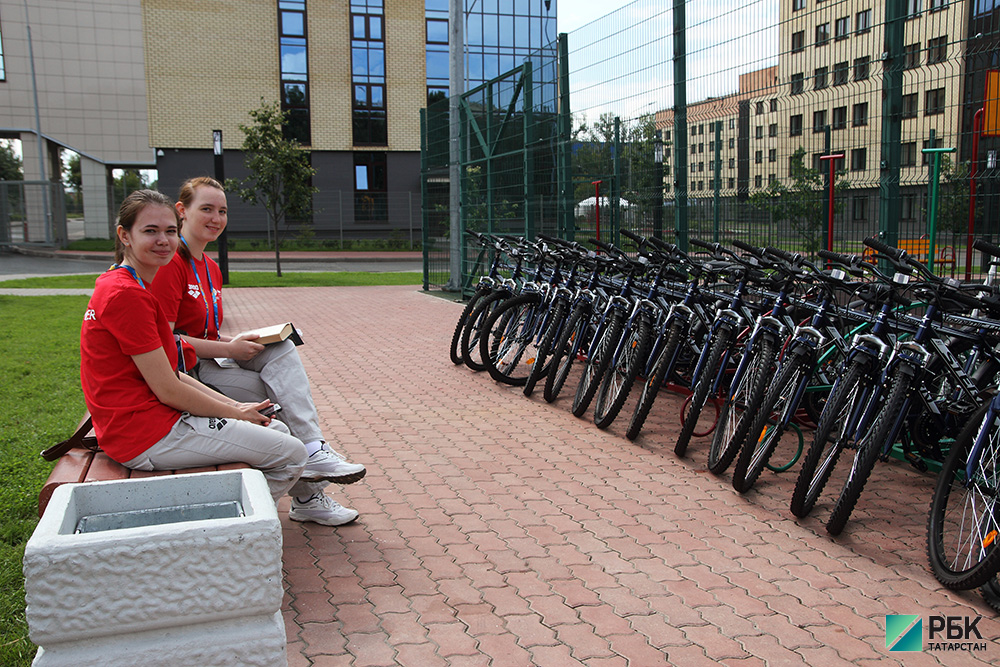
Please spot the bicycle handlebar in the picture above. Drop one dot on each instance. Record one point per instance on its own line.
(985, 246)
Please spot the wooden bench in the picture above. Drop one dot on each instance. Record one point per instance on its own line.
(84, 465)
(919, 249)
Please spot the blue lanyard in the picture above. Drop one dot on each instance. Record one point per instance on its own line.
(214, 307)
(130, 270)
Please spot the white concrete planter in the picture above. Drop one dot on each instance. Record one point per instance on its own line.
(166, 572)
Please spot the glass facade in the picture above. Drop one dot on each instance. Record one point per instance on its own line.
(370, 124)
(499, 35)
(294, 69)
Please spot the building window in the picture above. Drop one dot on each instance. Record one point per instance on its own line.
(701, 148)
(913, 8)
(774, 104)
(758, 157)
(936, 5)
(701, 129)
(861, 68)
(369, 122)
(758, 181)
(858, 156)
(795, 125)
(711, 146)
(908, 154)
(909, 208)
(772, 155)
(732, 163)
(701, 166)
(798, 41)
(863, 21)
(732, 183)
(797, 84)
(798, 4)
(924, 159)
(711, 184)
(3, 72)
(701, 185)
(819, 78)
(292, 36)
(934, 102)
(840, 73)
(819, 120)
(666, 135)
(859, 209)
(822, 34)
(910, 105)
(370, 192)
(859, 116)
(772, 179)
(732, 142)
(437, 31)
(911, 56)
(760, 107)
(732, 123)
(694, 149)
(759, 132)
(772, 130)
(839, 118)
(842, 28)
(937, 50)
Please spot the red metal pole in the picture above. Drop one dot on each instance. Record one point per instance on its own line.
(597, 205)
(829, 215)
(977, 126)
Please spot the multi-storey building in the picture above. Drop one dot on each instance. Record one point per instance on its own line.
(825, 96)
(353, 75)
(143, 84)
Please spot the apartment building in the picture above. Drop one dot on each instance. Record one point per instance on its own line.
(825, 96)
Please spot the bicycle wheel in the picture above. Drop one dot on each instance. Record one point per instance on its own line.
(557, 315)
(869, 448)
(508, 347)
(622, 372)
(991, 593)
(474, 327)
(455, 351)
(651, 387)
(744, 399)
(767, 427)
(963, 527)
(597, 363)
(831, 435)
(702, 386)
(564, 355)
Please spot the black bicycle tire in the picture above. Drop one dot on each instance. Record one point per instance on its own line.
(564, 355)
(947, 570)
(651, 387)
(869, 449)
(557, 316)
(702, 387)
(813, 476)
(755, 453)
(597, 363)
(633, 364)
(469, 346)
(720, 457)
(454, 351)
(520, 306)
(991, 593)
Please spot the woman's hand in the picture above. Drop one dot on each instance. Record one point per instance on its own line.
(243, 347)
(251, 412)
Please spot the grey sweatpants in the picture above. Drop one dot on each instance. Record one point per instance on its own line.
(194, 442)
(276, 373)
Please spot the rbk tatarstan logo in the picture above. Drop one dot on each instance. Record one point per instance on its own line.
(904, 632)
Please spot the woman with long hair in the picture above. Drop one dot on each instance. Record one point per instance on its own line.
(188, 290)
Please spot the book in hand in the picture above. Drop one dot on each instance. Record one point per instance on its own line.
(275, 334)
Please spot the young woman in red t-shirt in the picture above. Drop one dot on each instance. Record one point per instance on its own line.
(188, 289)
(146, 415)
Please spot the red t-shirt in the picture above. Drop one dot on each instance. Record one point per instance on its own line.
(185, 297)
(122, 320)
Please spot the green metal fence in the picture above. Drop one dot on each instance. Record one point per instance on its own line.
(695, 119)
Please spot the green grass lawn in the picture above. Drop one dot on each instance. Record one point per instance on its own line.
(246, 279)
(42, 403)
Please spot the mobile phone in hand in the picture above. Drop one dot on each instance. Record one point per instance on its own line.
(271, 410)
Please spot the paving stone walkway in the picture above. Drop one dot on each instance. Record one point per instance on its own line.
(501, 530)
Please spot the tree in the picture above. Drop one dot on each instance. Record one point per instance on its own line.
(280, 176)
(72, 176)
(953, 198)
(10, 163)
(803, 203)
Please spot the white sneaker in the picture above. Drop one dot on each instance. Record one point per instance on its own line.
(328, 464)
(322, 509)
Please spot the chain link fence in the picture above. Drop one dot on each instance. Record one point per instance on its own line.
(32, 213)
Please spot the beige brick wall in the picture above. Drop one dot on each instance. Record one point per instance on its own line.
(208, 62)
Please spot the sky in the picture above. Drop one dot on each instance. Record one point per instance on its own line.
(576, 13)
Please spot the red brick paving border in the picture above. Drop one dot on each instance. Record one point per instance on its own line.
(500, 530)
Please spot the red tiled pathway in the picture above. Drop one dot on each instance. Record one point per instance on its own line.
(500, 530)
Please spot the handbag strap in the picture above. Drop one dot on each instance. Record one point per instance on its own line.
(78, 439)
